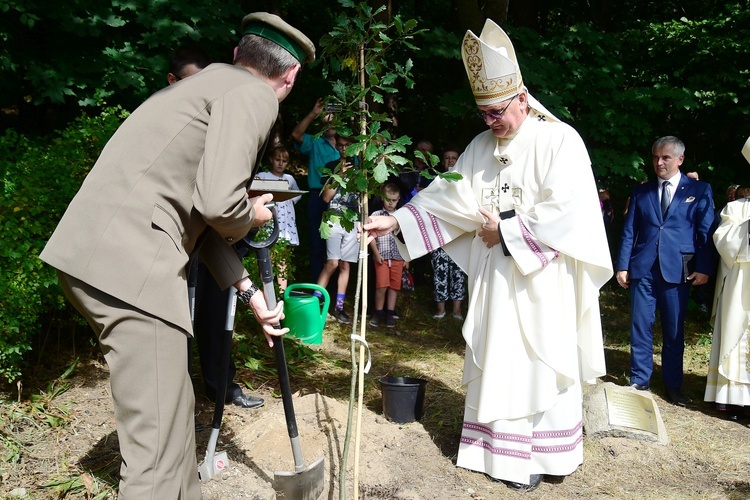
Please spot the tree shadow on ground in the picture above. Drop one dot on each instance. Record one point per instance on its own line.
(103, 460)
(63, 342)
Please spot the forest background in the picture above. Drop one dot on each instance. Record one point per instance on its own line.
(623, 73)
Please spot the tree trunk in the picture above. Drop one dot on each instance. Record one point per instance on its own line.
(470, 15)
(497, 10)
(385, 16)
(525, 13)
(602, 13)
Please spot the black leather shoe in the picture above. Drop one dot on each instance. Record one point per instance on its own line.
(534, 481)
(639, 387)
(247, 401)
(676, 397)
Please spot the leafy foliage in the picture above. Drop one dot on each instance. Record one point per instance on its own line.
(39, 178)
(357, 52)
(623, 90)
(85, 51)
(623, 72)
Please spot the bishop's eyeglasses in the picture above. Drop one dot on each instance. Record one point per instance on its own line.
(495, 115)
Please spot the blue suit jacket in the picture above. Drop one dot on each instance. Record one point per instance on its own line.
(684, 230)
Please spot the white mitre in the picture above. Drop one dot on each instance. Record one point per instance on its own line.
(746, 150)
(493, 71)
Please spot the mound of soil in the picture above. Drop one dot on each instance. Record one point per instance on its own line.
(395, 461)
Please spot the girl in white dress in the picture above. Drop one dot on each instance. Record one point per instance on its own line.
(285, 209)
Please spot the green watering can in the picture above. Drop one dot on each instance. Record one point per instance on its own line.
(304, 315)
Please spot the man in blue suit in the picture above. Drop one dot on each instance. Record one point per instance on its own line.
(664, 250)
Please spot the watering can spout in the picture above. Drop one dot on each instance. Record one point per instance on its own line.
(305, 313)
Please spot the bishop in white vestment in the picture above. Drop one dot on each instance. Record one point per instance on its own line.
(524, 223)
(728, 382)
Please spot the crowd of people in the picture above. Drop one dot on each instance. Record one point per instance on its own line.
(333, 257)
(518, 245)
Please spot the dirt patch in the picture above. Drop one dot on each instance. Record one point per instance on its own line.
(708, 456)
(396, 461)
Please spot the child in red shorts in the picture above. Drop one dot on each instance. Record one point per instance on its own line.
(389, 264)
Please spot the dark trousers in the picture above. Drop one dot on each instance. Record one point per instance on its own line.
(646, 296)
(315, 208)
(209, 325)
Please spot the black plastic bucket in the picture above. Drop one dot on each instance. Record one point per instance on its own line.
(403, 398)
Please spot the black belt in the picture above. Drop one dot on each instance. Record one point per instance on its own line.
(505, 215)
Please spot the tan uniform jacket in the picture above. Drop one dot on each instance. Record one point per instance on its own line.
(176, 167)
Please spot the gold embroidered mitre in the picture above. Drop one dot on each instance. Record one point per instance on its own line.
(746, 150)
(491, 65)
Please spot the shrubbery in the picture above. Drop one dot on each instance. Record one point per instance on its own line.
(38, 179)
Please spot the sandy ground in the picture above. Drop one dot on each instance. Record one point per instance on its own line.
(396, 461)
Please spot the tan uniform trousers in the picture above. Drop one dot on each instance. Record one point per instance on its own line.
(152, 393)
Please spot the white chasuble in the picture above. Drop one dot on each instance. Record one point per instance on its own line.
(533, 330)
(729, 366)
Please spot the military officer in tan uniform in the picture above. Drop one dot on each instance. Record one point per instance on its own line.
(174, 174)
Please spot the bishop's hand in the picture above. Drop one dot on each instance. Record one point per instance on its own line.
(490, 232)
(380, 225)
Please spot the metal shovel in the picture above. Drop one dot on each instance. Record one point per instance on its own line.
(305, 483)
(215, 463)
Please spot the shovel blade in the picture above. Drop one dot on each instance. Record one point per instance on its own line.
(305, 485)
(210, 468)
